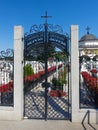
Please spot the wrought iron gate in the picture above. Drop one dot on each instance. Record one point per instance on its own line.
(44, 72)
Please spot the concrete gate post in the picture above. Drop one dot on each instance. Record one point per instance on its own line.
(74, 72)
(18, 71)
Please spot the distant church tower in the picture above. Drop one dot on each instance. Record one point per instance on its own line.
(88, 51)
(88, 44)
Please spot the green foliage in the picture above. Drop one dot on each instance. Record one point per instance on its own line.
(28, 70)
(61, 79)
(60, 56)
(54, 81)
(58, 82)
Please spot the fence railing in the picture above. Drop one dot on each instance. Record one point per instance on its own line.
(88, 82)
(6, 77)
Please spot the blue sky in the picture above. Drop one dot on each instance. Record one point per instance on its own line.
(64, 13)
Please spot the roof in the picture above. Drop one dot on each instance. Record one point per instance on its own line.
(88, 37)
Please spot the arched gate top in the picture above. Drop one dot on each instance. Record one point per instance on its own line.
(55, 37)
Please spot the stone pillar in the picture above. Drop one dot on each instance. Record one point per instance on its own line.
(18, 71)
(74, 71)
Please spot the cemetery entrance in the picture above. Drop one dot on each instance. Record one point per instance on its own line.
(46, 73)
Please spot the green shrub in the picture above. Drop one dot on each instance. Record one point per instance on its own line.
(28, 70)
(54, 81)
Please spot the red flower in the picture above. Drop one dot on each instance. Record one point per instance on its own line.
(6, 87)
(94, 71)
(57, 93)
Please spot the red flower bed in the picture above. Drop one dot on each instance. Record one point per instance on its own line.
(6, 87)
(94, 71)
(92, 82)
(40, 73)
(57, 93)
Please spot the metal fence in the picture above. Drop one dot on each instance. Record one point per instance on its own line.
(6, 77)
(88, 81)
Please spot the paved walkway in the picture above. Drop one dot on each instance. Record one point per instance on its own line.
(44, 125)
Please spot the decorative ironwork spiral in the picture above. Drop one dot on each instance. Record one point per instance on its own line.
(8, 54)
(36, 28)
(50, 27)
(55, 28)
(6, 59)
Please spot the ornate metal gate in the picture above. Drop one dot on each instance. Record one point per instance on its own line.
(46, 73)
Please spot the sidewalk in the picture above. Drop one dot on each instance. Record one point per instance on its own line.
(44, 125)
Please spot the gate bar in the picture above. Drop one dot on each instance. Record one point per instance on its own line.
(46, 57)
